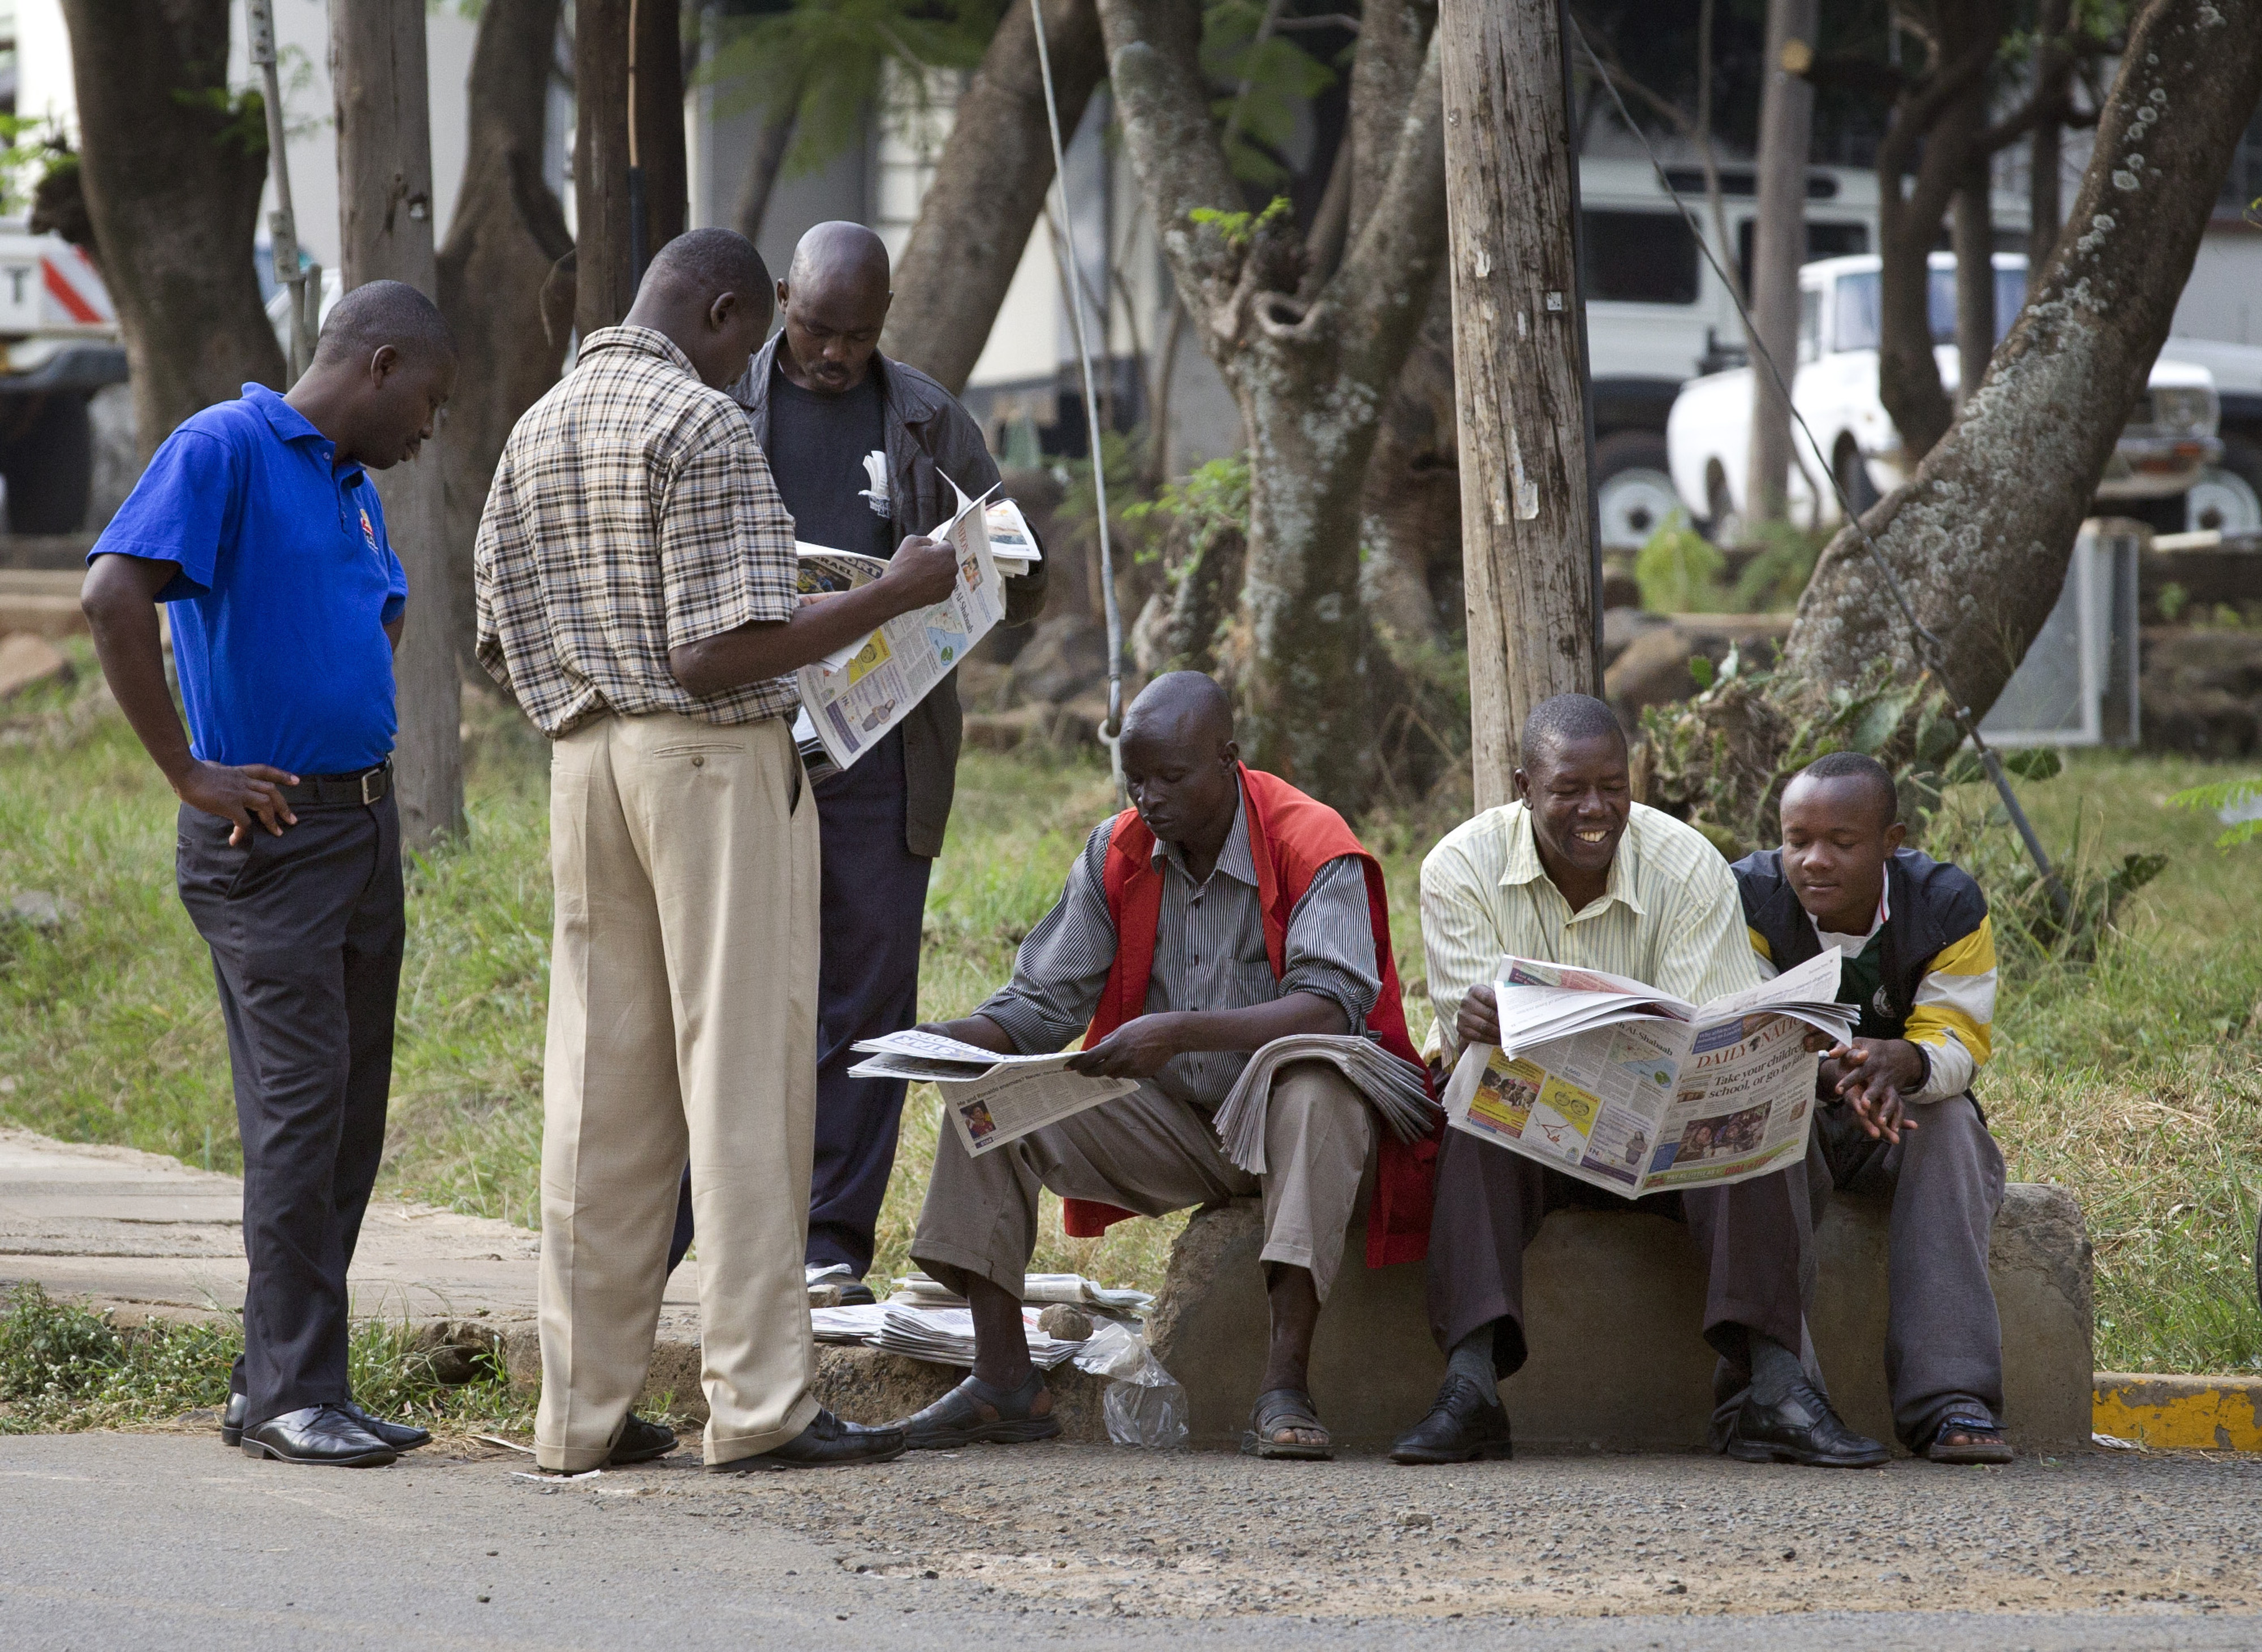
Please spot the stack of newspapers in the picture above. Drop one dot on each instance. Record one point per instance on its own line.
(1397, 1089)
(922, 1291)
(946, 1336)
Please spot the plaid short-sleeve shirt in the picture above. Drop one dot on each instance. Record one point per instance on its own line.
(632, 512)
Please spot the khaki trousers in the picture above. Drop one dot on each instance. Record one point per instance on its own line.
(1152, 1155)
(682, 1021)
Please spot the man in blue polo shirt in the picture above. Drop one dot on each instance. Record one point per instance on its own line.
(256, 525)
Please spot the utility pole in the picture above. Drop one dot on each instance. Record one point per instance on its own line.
(1528, 545)
(305, 284)
(1779, 245)
(629, 170)
(385, 233)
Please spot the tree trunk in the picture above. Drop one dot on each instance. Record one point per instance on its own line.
(763, 165)
(507, 234)
(988, 187)
(1412, 499)
(1981, 536)
(1526, 503)
(1779, 246)
(385, 232)
(1310, 373)
(172, 175)
(659, 145)
(604, 285)
(1972, 234)
(2053, 77)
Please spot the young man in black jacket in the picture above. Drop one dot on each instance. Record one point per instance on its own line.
(1898, 1120)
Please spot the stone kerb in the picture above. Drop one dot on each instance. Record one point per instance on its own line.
(1614, 1303)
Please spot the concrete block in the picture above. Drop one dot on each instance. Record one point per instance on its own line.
(2193, 1413)
(1615, 1309)
(25, 660)
(51, 616)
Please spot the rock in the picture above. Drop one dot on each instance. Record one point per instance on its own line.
(1069, 1323)
(1622, 626)
(42, 909)
(1652, 670)
(27, 659)
(41, 613)
(1066, 655)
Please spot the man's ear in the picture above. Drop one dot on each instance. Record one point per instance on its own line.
(784, 297)
(726, 305)
(1895, 835)
(1229, 753)
(1516, 778)
(384, 363)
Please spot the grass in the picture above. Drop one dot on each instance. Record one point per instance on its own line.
(2137, 1078)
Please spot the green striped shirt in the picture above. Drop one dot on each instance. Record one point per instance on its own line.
(1669, 916)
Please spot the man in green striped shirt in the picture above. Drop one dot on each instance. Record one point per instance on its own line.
(1574, 872)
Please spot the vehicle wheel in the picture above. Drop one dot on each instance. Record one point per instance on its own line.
(49, 468)
(1633, 488)
(2228, 496)
(1853, 478)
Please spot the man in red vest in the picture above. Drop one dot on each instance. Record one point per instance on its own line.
(1223, 910)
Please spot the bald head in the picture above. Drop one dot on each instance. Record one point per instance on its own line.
(1184, 705)
(1180, 765)
(834, 301)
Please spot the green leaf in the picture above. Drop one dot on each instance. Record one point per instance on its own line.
(1963, 769)
(2036, 763)
(1700, 669)
(2218, 795)
(1875, 725)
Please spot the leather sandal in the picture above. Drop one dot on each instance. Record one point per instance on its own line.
(1983, 1440)
(1285, 1408)
(974, 1413)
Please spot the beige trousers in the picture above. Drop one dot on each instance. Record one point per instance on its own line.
(682, 1020)
(1150, 1154)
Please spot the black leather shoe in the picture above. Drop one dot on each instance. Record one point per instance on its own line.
(325, 1435)
(1803, 1429)
(400, 1436)
(641, 1440)
(231, 1421)
(1465, 1423)
(826, 1443)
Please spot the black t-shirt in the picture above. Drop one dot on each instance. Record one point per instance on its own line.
(816, 449)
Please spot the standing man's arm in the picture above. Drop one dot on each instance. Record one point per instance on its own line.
(119, 600)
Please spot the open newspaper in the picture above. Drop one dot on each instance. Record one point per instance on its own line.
(851, 699)
(992, 1099)
(1395, 1089)
(1013, 547)
(1620, 1085)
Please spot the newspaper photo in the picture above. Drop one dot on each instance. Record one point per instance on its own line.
(1629, 1088)
(853, 696)
(990, 1099)
(1013, 547)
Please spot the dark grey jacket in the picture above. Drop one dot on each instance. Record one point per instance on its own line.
(929, 437)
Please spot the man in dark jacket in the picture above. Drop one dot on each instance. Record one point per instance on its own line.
(1898, 1121)
(822, 398)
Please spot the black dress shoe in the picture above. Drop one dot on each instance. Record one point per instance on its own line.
(1801, 1428)
(400, 1436)
(325, 1435)
(826, 1443)
(641, 1440)
(231, 1421)
(1465, 1423)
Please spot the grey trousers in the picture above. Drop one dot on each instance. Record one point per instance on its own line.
(1152, 1155)
(1943, 1342)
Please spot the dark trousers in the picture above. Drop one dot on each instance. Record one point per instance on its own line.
(1490, 1202)
(874, 901)
(306, 934)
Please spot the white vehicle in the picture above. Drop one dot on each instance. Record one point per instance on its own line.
(58, 346)
(2228, 496)
(2169, 442)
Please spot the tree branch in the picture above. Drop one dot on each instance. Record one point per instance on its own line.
(1392, 260)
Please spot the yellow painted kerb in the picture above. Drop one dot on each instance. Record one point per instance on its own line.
(2207, 1413)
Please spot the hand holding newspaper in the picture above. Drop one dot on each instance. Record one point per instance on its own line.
(1620, 1085)
(992, 1099)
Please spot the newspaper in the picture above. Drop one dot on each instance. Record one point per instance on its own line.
(1013, 547)
(1625, 1088)
(923, 1290)
(1398, 1090)
(849, 706)
(992, 1099)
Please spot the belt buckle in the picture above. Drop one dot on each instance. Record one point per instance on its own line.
(369, 778)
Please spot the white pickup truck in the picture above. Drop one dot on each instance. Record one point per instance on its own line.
(2169, 445)
(58, 346)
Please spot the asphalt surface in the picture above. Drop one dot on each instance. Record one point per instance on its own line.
(168, 1539)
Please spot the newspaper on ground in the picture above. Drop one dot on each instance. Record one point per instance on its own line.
(859, 1323)
(992, 1099)
(1011, 545)
(922, 1289)
(1626, 1088)
(946, 1336)
(1396, 1089)
(849, 706)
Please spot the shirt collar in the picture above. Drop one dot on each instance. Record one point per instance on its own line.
(1234, 859)
(288, 423)
(1524, 865)
(643, 340)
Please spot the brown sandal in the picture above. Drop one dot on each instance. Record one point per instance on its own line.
(1281, 1408)
(1983, 1440)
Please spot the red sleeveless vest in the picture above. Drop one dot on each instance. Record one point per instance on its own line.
(1291, 836)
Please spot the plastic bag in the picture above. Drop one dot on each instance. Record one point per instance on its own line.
(1143, 1404)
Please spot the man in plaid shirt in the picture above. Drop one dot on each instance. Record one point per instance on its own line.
(636, 586)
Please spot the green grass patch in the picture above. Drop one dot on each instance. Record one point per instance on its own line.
(2135, 1079)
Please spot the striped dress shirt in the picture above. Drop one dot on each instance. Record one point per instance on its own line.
(1209, 954)
(1669, 916)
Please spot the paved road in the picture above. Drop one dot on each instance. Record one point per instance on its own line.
(165, 1539)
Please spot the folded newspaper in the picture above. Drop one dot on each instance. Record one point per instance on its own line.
(851, 698)
(1627, 1088)
(1011, 545)
(1397, 1090)
(946, 1336)
(992, 1099)
(1039, 1289)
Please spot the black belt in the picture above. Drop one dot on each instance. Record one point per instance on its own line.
(366, 787)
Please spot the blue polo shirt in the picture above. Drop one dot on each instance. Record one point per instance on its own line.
(286, 583)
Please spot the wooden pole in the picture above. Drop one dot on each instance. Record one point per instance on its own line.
(385, 225)
(604, 278)
(1527, 509)
(1779, 246)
